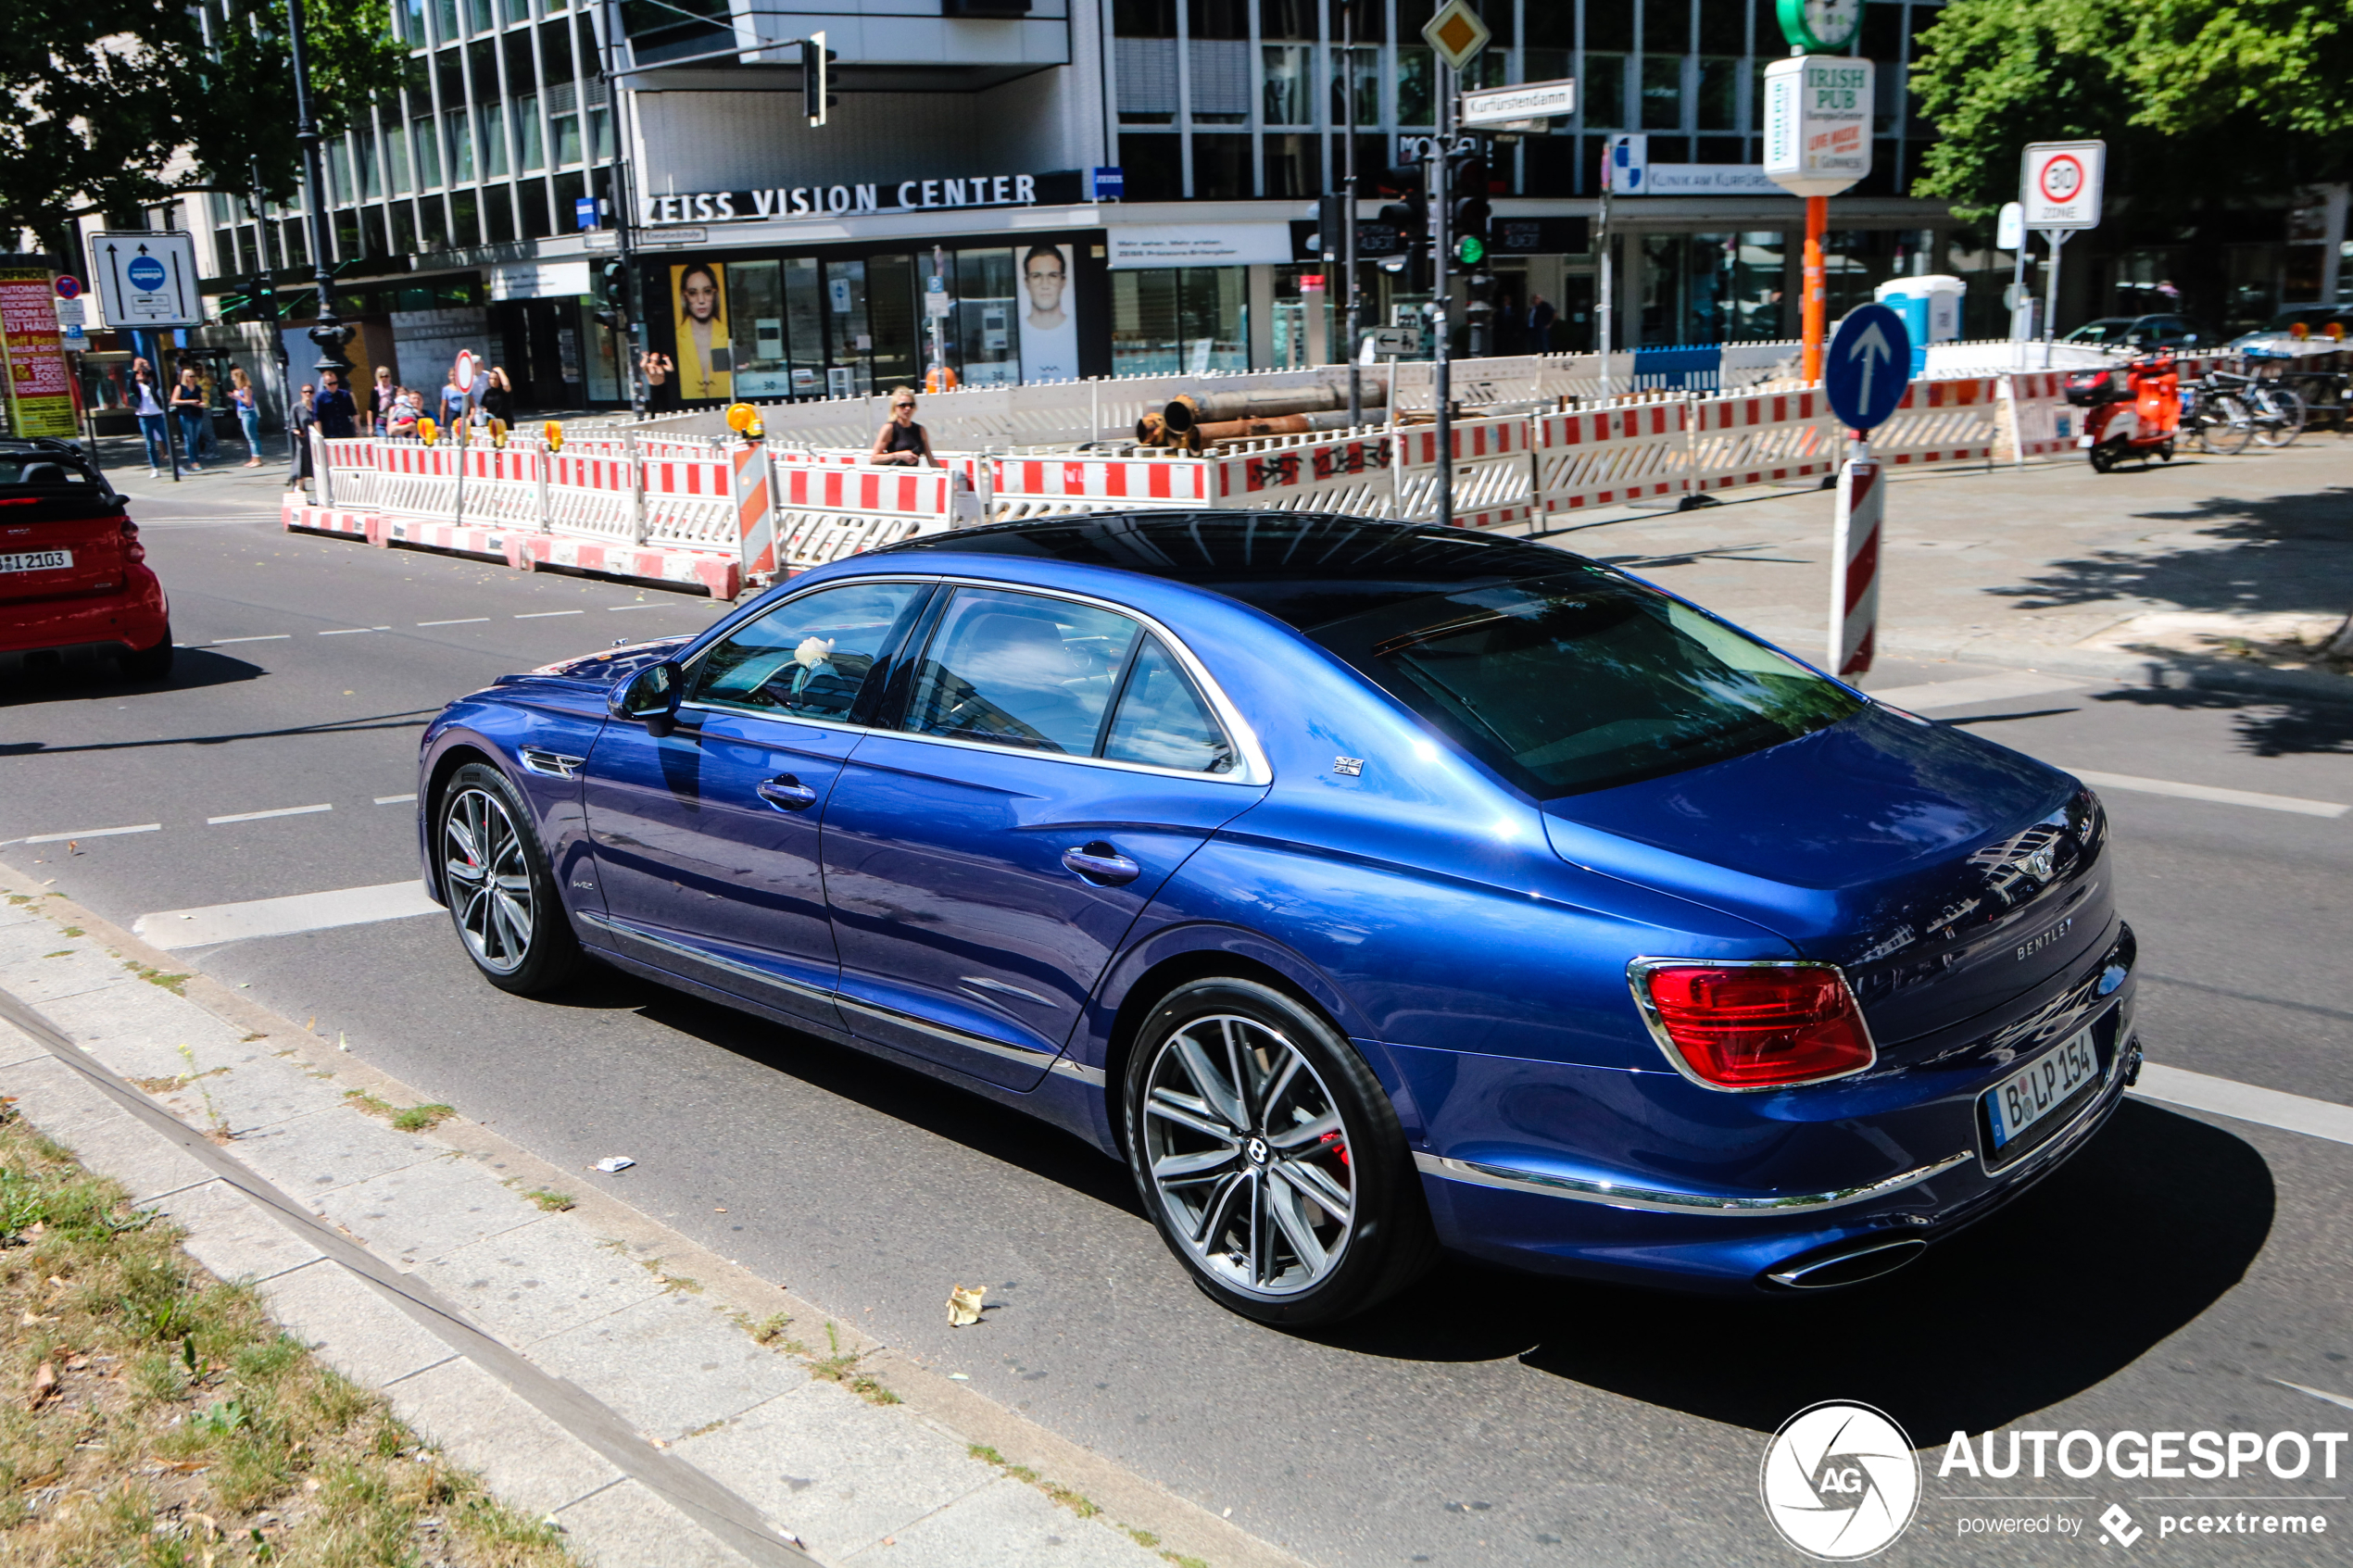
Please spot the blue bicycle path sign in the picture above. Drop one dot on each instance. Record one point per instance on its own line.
(1868, 365)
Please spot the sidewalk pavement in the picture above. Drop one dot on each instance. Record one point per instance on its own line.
(2143, 577)
(662, 1404)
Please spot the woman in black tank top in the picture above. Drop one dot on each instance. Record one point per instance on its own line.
(902, 440)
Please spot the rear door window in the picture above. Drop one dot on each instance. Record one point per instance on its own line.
(1021, 670)
(1161, 719)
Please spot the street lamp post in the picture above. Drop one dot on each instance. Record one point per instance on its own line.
(328, 334)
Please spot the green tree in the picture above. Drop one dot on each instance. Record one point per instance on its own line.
(121, 104)
(2202, 101)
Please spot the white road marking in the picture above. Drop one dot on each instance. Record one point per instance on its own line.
(461, 621)
(543, 614)
(2316, 1393)
(283, 917)
(1999, 686)
(258, 816)
(2209, 792)
(641, 607)
(351, 630)
(2245, 1102)
(266, 638)
(85, 833)
(393, 800)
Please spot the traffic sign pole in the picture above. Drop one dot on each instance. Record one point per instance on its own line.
(1815, 301)
(1441, 378)
(2054, 238)
(1868, 365)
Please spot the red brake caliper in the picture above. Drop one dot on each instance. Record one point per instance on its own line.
(1331, 1141)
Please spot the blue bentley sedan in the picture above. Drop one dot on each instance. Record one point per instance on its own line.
(1370, 889)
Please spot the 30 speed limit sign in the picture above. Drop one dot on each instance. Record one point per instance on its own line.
(2060, 185)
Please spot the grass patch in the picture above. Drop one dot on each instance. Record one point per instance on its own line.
(408, 1119)
(553, 1202)
(71, 931)
(151, 1415)
(175, 984)
(842, 1368)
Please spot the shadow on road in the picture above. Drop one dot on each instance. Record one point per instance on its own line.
(2270, 552)
(2267, 726)
(26, 681)
(2123, 1246)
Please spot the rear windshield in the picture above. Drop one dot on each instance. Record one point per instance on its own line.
(1583, 680)
(37, 468)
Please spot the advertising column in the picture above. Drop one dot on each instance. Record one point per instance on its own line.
(39, 393)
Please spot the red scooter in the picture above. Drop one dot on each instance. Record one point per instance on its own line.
(2136, 408)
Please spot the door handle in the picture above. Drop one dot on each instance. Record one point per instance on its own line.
(1100, 862)
(787, 793)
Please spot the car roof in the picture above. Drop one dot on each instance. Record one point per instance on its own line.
(1306, 569)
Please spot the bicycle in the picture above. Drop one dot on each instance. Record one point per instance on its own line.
(2274, 411)
(2221, 422)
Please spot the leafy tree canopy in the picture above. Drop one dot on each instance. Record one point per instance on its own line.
(119, 104)
(2201, 102)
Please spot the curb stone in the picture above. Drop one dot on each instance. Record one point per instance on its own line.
(620, 1395)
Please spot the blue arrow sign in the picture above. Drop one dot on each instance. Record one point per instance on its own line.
(145, 272)
(1868, 365)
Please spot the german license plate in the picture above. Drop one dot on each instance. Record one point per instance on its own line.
(36, 560)
(2040, 1087)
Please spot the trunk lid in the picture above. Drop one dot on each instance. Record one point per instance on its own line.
(58, 540)
(1947, 875)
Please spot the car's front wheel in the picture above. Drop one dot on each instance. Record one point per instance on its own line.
(501, 895)
(1270, 1158)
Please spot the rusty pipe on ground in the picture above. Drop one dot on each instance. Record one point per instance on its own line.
(1190, 409)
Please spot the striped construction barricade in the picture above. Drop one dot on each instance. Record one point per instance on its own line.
(1761, 438)
(1605, 457)
(1939, 422)
(1349, 472)
(689, 494)
(823, 512)
(2036, 419)
(591, 495)
(505, 486)
(417, 481)
(1025, 486)
(1493, 480)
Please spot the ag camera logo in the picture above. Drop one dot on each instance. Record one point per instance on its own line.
(1840, 1481)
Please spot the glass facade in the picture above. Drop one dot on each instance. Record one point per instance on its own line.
(460, 155)
(1215, 101)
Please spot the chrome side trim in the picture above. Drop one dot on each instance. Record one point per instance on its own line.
(1638, 973)
(1652, 1200)
(982, 982)
(554, 764)
(1092, 1076)
(687, 950)
(954, 1037)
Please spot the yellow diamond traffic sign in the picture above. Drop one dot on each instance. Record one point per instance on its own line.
(1456, 34)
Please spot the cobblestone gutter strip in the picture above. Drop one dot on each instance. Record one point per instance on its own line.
(590, 1362)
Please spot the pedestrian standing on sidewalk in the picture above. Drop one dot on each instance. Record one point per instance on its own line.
(242, 398)
(207, 388)
(386, 395)
(1540, 316)
(498, 399)
(147, 403)
(187, 406)
(902, 440)
(338, 416)
(453, 402)
(301, 418)
(402, 423)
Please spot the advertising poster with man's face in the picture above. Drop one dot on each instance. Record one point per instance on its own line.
(1049, 314)
(698, 296)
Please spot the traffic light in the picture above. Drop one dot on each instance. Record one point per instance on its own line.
(1332, 219)
(1480, 317)
(1410, 217)
(614, 311)
(816, 76)
(1467, 211)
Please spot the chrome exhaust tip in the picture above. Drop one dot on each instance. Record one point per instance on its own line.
(1845, 1262)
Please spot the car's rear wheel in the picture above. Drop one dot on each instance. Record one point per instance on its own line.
(501, 895)
(1270, 1158)
(147, 664)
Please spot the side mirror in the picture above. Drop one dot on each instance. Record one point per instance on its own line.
(650, 698)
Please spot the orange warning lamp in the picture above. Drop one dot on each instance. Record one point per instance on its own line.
(428, 432)
(554, 431)
(743, 419)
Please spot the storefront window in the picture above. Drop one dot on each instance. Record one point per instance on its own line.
(805, 326)
(757, 323)
(1713, 288)
(988, 339)
(1169, 320)
(848, 368)
(890, 316)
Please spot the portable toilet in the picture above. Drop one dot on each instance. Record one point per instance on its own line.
(1931, 307)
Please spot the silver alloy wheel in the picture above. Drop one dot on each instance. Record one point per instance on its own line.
(488, 879)
(1248, 1156)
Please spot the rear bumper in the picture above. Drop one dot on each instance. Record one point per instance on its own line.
(1905, 1173)
(136, 617)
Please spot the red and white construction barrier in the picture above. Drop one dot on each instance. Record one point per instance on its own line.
(1761, 438)
(824, 513)
(1351, 472)
(1855, 552)
(2037, 419)
(1056, 486)
(1493, 481)
(1604, 457)
(1939, 422)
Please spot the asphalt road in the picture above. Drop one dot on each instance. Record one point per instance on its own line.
(2176, 1276)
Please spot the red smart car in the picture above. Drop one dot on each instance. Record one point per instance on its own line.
(73, 571)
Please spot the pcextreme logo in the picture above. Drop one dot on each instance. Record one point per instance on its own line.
(1840, 1481)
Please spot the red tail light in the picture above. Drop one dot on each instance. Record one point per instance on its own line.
(132, 551)
(1752, 1026)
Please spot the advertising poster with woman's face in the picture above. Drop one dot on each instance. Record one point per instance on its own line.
(698, 296)
(1049, 314)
